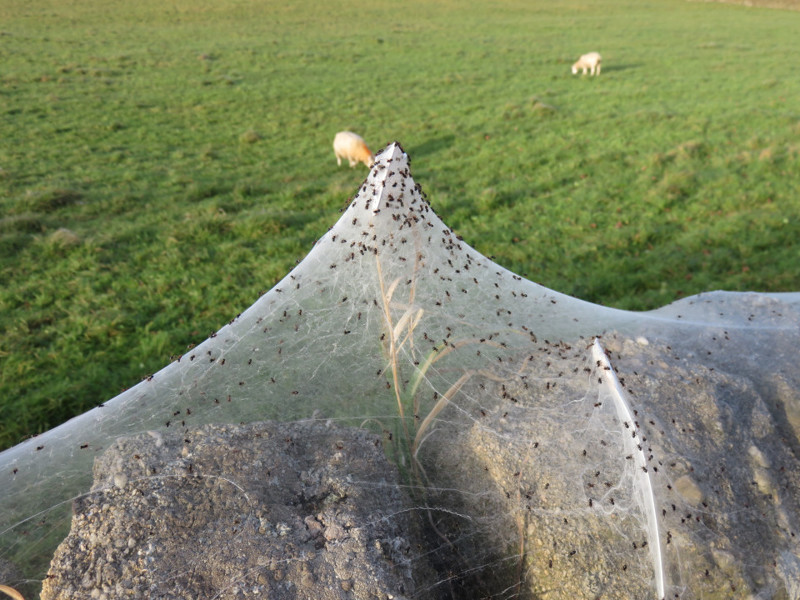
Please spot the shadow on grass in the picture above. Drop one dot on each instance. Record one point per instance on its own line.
(431, 146)
(625, 67)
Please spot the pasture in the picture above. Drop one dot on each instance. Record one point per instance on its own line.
(162, 163)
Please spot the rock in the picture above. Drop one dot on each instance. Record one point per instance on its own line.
(699, 486)
(300, 510)
(688, 490)
(548, 483)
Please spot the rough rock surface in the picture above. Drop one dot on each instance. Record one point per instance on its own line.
(560, 507)
(284, 511)
(537, 487)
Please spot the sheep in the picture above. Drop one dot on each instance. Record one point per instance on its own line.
(590, 62)
(348, 145)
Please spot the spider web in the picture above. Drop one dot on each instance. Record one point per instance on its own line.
(546, 446)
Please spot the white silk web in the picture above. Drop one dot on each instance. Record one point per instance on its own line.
(538, 446)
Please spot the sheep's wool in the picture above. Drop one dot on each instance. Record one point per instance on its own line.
(548, 447)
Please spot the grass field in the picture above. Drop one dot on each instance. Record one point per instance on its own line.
(162, 163)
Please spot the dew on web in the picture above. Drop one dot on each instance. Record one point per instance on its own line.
(402, 416)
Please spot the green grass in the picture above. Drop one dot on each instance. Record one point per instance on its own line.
(186, 148)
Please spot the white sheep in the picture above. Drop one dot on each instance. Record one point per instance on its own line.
(590, 62)
(348, 145)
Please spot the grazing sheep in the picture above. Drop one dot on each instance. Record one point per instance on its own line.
(348, 145)
(590, 62)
